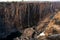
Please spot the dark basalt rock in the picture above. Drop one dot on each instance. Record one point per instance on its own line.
(12, 35)
(54, 37)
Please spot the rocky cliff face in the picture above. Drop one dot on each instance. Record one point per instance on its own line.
(17, 16)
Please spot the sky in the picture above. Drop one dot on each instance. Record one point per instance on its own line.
(28, 0)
